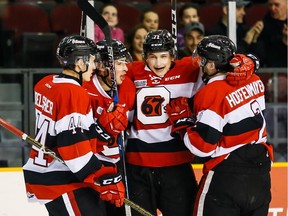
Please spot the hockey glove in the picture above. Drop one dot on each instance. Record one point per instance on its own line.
(244, 66)
(116, 121)
(109, 184)
(112, 189)
(180, 115)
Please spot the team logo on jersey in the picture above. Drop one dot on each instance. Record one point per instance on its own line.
(140, 83)
(155, 79)
(30, 195)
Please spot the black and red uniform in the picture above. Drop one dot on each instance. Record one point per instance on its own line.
(159, 165)
(230, 133)
(63, 126)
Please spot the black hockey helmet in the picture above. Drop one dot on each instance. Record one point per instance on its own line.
(119, 51)
(158, 41)
(217, 48)
(72, 48)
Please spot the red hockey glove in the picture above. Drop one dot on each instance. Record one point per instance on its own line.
(179, 114)
(110, 185)
(116, 121)
(244, 67)
(112, 189)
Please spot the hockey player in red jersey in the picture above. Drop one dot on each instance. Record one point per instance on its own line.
(159, 168)
(65, 124)
(112, 116)
(229, 132)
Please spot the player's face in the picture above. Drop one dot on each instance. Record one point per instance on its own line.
(151, 21)
(121, 70)
(190, 15)
(192, 39)
(208, 66)
(91, 67)
(110, 15)
(159, 62)
(138, 40)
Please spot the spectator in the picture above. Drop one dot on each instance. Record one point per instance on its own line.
(246, 38)
(194, 33)
(150, 19)
(272, 43)
(135, 40)
(187, 13)
(110, 14)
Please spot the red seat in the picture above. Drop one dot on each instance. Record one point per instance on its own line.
(255, 12)
(210, 15)
(24, 18)
(65, 19)
(128, 16)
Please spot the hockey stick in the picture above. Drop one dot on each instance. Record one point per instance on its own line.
(103, 25)
(174, 24)
(83, 24)
(33, 142)
(29, 139)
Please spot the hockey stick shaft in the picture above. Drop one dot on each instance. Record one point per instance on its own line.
(103, 25)
(29, 139)
(174, 24)
(83, 24)
(32, 141)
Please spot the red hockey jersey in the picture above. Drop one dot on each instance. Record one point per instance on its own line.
(63, 124)
(227, 118)
(149, 142)
(100, 101)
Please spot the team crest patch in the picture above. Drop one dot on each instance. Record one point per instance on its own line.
(140, 83)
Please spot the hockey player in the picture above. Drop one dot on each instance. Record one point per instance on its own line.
(230, 132)
(64, 124)
(159, 168)
(112, 117)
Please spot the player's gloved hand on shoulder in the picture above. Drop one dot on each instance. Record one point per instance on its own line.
(244, 66)
(116, 121)
(180, 115)
(109, 184)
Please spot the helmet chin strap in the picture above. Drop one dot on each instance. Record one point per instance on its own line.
(105, 81)
(80, 72)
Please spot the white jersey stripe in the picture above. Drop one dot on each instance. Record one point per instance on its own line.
(68, 204)
(78, 163)
(200, 208)
(152, 135)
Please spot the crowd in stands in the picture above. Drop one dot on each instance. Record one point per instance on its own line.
(267, 37)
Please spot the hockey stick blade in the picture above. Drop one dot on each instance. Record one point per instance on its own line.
(98, 19)
(90, 11)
